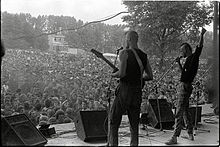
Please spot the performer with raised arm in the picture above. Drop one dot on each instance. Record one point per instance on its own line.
(188, 73)
(129, 96)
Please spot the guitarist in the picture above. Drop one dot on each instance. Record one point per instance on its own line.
(128, 98)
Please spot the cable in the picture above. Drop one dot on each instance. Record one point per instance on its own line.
(149, 136)
(142, 135)
(61, 133)
(210, 121)
(71, 29)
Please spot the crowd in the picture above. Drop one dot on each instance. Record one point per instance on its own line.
(51, 88)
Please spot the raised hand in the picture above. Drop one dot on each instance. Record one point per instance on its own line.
(201, 37)
(203, 31)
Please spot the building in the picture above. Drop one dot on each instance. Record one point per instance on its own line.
(76, 51)
(57, 42)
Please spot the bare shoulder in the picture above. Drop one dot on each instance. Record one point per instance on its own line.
(143, 52)
(123, 53)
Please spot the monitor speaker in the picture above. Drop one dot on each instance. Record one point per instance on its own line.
(18, 130)
(92, 125)
(166, 114)
(192, 111)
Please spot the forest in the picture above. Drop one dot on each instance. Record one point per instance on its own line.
(162, 27)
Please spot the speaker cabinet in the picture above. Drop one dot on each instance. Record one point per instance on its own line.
(18, 130)
(192, 110)
(92, 125)
(166, 114)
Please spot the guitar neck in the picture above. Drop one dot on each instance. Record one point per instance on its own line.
(100, 55)
(110, 64)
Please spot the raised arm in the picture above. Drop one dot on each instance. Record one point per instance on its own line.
(200, 45)
(123, 56)
(201, 37)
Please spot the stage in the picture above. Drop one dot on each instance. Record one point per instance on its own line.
(66, 134)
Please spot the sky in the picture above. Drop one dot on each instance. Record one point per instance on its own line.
(85, 10)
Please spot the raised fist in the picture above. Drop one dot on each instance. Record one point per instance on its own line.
(203, 31)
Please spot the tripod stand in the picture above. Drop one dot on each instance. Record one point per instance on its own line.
(109, 101)
(196, 130)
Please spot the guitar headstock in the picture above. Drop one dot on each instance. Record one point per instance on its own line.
(100, 55)
(97, 53)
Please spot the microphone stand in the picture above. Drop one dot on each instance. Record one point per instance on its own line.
(155, 87)
(109, 100)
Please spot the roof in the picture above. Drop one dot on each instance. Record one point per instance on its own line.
(109, 55)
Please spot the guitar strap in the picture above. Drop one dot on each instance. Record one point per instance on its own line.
(140, 64)
(141, 68)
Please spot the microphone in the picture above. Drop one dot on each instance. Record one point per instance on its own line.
(119, 49)
(179, 57)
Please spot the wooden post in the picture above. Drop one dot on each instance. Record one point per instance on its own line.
(216, 54)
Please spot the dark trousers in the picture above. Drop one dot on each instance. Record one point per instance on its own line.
(128, 100)
(182, 111)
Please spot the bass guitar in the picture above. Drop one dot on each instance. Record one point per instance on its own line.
(100, 55)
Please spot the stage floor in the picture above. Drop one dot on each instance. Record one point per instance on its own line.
(66, 134)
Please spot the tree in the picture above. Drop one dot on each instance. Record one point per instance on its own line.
(20, 31)
(117, 36)
(24, 32)
(161, 25)
(208, 45)
(12, 27)
(39, 25)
